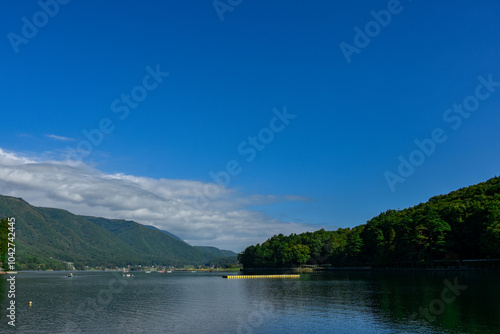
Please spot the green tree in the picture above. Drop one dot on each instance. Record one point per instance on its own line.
(300, 254)
(354, 245)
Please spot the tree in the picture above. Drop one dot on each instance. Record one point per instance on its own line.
(354, 245)
(300, 254)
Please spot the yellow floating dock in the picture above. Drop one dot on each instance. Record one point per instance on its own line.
(261, 276)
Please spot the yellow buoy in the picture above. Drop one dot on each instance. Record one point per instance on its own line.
(261, 276)
(31, 303)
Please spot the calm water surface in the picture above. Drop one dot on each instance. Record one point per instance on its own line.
(183, 302)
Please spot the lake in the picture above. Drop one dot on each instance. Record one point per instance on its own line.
(202, 302)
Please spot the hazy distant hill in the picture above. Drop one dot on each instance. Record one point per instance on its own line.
(216, 251)
(45, 233)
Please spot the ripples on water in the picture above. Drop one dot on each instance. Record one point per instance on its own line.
(183, 302)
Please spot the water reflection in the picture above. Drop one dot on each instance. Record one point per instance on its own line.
(345, 302)
(397, 300)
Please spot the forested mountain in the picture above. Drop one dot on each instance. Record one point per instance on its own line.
(462, 225)
(47, 237)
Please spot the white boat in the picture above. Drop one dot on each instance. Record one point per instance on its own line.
(148, 272)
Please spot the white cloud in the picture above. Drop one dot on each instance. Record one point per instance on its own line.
(59, 138)
(168, 204)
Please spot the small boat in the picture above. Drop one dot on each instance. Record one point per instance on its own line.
(126, 275)
(71, 275)
(148, 272)
(169, 271)
(162, 271)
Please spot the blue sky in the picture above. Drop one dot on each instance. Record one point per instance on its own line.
(327, 167)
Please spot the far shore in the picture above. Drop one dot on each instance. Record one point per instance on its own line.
(319, 270)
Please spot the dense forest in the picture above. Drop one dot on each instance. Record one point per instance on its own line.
(462, 225)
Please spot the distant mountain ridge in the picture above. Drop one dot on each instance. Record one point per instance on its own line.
(45, 234)
(216, 251)
(166, 232)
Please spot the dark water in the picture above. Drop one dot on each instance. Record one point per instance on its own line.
(182, 302)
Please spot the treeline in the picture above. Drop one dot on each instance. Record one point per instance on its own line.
(224, 262)
(34, 263)
(462, 225)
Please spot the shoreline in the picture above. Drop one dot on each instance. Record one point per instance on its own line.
(327, 270)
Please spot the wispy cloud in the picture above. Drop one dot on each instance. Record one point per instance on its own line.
(260, 199)
(26, 135)
(59, 138)
(165, 203)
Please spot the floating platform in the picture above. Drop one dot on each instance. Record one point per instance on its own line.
(261, 276)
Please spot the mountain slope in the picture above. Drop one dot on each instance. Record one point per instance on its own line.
(46, 234)
(152, 244)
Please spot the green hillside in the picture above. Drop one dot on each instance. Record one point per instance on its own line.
(153, 244)
(462, 225)
(47, 237)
